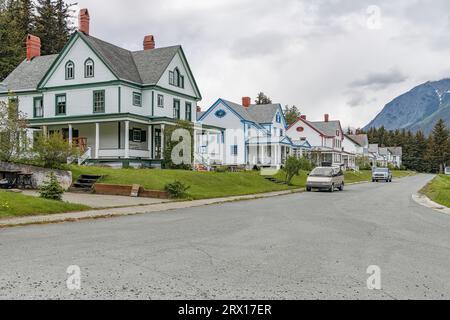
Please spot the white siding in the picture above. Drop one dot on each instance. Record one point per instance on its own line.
(188, 82)
(79, 53)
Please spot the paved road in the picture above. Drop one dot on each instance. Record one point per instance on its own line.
(315, 245)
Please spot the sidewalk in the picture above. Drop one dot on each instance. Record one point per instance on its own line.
(97, 201)
(124, 211)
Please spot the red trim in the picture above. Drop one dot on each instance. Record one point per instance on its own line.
(309, 125)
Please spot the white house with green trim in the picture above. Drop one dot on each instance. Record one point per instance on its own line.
(111, 102)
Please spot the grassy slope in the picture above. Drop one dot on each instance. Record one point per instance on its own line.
(203, 184)
(16, 205)
(438, 190)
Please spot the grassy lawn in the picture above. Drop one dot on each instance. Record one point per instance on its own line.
(438, 190)
(205, 185)
(17, 205)
(202, 184)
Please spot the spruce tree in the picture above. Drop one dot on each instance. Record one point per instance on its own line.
(441, 147)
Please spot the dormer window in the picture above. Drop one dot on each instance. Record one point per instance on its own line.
(278, 118)
(89, 68)
(176, 79)
(70, 70)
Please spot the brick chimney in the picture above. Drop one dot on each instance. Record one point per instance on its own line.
(246, 101)
(33, 47)
(303, 117)
(83, 21)
(149, 42)
(199, 109)
(327, 117)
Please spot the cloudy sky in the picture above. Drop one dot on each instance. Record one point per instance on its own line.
(347, 58)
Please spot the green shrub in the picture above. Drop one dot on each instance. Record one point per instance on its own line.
(53, 151)
(292, 167)
(305, 164)
(222, 169)
(51, 189)
(176, 189)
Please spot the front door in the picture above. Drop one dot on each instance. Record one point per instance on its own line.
(158, 144)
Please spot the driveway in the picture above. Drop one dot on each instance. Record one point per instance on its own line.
(300, 246)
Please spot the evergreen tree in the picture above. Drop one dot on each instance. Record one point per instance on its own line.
(13, 32)
(440, 146)
(420, 147)
(291, 114)
(46, 26)
(262, 99)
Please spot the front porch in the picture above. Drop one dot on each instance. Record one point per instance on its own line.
(102, 141)
(267, 152)
(326, 157)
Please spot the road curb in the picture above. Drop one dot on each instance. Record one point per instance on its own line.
(424, 201)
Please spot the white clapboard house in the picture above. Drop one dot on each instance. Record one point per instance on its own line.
(114, 104)
(255, 135)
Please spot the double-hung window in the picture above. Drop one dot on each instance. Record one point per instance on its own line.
(137, 99)
(70, 70)
(89, 68)
(234, 150)
(99, 101)
(160, 101)
(60, 104)
(188, 111)
(176, 109)
(38, 107)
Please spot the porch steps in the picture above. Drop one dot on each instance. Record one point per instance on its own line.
(274, 180)
(85, 183)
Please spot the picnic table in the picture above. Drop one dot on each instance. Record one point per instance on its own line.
(9, 178)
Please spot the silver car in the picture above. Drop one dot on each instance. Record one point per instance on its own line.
(381, 174)
(325, 178)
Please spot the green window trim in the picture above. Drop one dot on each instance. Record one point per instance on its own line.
(176, 109)
(56, 104)
(188, 111)
(160, 101)
(135, 102)
(41, 99)
(96, 108)
(86, 75)
(68, 76)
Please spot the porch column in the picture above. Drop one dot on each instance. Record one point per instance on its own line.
(150, 141)
(163, 127)
(45, 131)
(262, 154)
(97, 139)
(127, 139)
(70, 135)
(196, 144)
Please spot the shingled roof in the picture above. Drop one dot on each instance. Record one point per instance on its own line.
(360, 139)
(142, 67)
(28, 74)
(257, 113)
(328, 128)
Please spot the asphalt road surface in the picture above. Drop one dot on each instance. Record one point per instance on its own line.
(301, 246)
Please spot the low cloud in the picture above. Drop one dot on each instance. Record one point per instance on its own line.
(379, 81)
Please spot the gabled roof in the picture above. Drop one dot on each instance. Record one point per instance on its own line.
(28, 74)
(144, 67)
(373, 148)
(383, 151)
(264, 113)
(360, 139)
(119, 60)
(328, 128)
(396, 151)
(151, 64)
